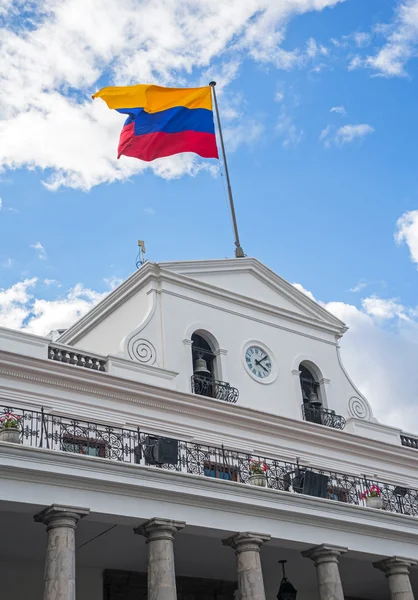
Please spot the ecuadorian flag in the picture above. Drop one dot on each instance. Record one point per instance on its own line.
(163, 121)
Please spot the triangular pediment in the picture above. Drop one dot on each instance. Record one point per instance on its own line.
(245, 281)
(248, 277)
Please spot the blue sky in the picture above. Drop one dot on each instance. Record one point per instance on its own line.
(318, 102)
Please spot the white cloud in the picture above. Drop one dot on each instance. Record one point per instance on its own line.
(48, 119)
(401, 42)
(1, 203)
(245, 133)
(382, 362)
(40, 250)
(7, 264)
(340, 110)
(148, 210)
(278, 97)
(112, 282)
(14, 303)
(344, 135)
(313, 50)
(300, 287)
(46, 315)
(349, 133)
(359, 286)
(362, 39)
(52, 282)
(20, 309)
(383, 308)
(288, 131)
(407, 232)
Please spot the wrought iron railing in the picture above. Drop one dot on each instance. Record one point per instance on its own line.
(42, 430)
(322, 416)
(78, 359)
(409, 441)
(206, 386)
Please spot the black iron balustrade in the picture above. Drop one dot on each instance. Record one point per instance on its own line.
(409, 441)
(323, 416)
(206, 386)
(78, 359)
(42, 430)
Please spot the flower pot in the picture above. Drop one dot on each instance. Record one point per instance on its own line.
(374, 502)
(258, 479)
(10, 434)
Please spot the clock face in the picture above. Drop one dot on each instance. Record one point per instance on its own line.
(258, 362)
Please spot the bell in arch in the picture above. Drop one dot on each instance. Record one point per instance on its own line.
(313, 399)
(201, 367)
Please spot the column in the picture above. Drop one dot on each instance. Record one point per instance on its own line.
(325, 558)
(161, 573)
(61, 522)
(250, 575)
(396, 570)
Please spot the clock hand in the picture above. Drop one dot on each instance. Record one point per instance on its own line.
(261, 360)
(258, 363)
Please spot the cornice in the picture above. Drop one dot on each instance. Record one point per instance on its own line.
(209, 411)
(84, 473)
(23, 337)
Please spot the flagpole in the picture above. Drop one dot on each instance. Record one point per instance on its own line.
(239, 252)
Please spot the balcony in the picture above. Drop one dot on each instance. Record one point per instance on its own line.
(409, 441)
(206, 386)
(322, 416)
(59, 433)
(78, 359)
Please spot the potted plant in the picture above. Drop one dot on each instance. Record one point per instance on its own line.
(373, 497)
(258, 471)
(10, 428)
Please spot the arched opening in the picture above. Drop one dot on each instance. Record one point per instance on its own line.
(202, 351)
(311, 394)
(204, 366)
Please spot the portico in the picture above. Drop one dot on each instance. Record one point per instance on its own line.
(112, 562)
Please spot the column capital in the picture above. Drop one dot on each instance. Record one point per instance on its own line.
(324, 553)
(61, 515)
(159, 529)
(395, 565)
(246, 541)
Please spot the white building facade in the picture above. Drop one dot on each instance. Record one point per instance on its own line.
(140, 428)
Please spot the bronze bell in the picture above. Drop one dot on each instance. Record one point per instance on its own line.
(313, 399)
(201, 367)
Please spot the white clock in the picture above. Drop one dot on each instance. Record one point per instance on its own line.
(258, 362)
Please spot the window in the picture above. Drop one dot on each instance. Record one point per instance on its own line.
(201, 350)
(307, 383)
(338, 493)
(79, 444)
(203, 358)
(220, 471)
(312, 405)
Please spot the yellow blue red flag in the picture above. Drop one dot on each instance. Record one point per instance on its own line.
(163, 121)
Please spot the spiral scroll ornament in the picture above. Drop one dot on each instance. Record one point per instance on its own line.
(359, 408)
(141, 350)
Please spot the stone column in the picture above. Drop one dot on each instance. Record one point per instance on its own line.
(161, 574)
(396, 570)
(250, 575)
(61, 522)
(325, 558)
